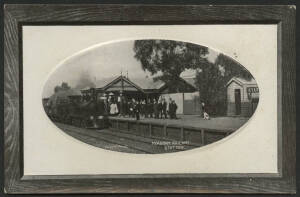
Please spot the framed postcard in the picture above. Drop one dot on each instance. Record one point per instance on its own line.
(149, 99)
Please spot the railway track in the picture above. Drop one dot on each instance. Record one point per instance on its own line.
(122, 142)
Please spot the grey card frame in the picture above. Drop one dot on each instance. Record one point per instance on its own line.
(15, 16)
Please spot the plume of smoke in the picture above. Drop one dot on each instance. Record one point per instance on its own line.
(85, 80)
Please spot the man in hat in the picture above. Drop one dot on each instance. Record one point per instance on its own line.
(137, 109)
(164, 108)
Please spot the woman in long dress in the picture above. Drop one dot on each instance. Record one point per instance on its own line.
(114, 109)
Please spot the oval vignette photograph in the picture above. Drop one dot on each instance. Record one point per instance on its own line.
(149, 96)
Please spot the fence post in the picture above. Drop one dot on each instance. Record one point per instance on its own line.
(182, 134)
(202, 137)
(117, 124)
(138, 128)
(150, 130)
(165, 131)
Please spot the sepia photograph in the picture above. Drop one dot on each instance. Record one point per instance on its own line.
(136, 98)
(150, 96)
(159, 95)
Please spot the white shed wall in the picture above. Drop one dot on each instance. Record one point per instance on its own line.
(178, 98)
(230, 92)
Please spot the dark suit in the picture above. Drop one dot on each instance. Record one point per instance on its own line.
(173, 109)
(156, 112)
(150, 109)
(164, 109)
(137, 109)
(160, 110)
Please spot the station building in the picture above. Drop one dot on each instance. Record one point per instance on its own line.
(242, 97)
(185, 95)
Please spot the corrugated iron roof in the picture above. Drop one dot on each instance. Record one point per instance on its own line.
(242, 81)
(142, 82)
(245, 81)
(190, 80)
(103, 82)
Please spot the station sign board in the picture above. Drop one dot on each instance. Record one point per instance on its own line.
(252, 92)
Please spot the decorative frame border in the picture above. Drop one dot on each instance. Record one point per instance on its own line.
(16, 15)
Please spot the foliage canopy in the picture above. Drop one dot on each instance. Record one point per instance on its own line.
(166, 60)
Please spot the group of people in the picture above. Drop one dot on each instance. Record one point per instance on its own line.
(150, 108)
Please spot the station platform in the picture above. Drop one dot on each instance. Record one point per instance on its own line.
(156, 136)
(196, 121)
(186, 128)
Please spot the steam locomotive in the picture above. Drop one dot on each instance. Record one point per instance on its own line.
(69, 108)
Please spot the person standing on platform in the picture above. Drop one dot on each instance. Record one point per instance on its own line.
(203, 108)
(114, 109)
(119, 105)
(164, 108)
(155, 109)
(160, 108)
(106, 106)
(137, 110)
(174, 109)
(150, 108)
(146, 109)
(130, 109)
(124, 106)
(143, 108)
(204, 112)
(170, 108)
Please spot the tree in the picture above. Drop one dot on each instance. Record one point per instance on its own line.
(232, 68)
(166, 59)
(209, 83)
(212, 90)
(212, 80)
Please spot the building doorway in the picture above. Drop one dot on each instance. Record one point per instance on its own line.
(254, 103)
(237, 99)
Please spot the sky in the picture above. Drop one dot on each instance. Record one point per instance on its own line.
(104, 61)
